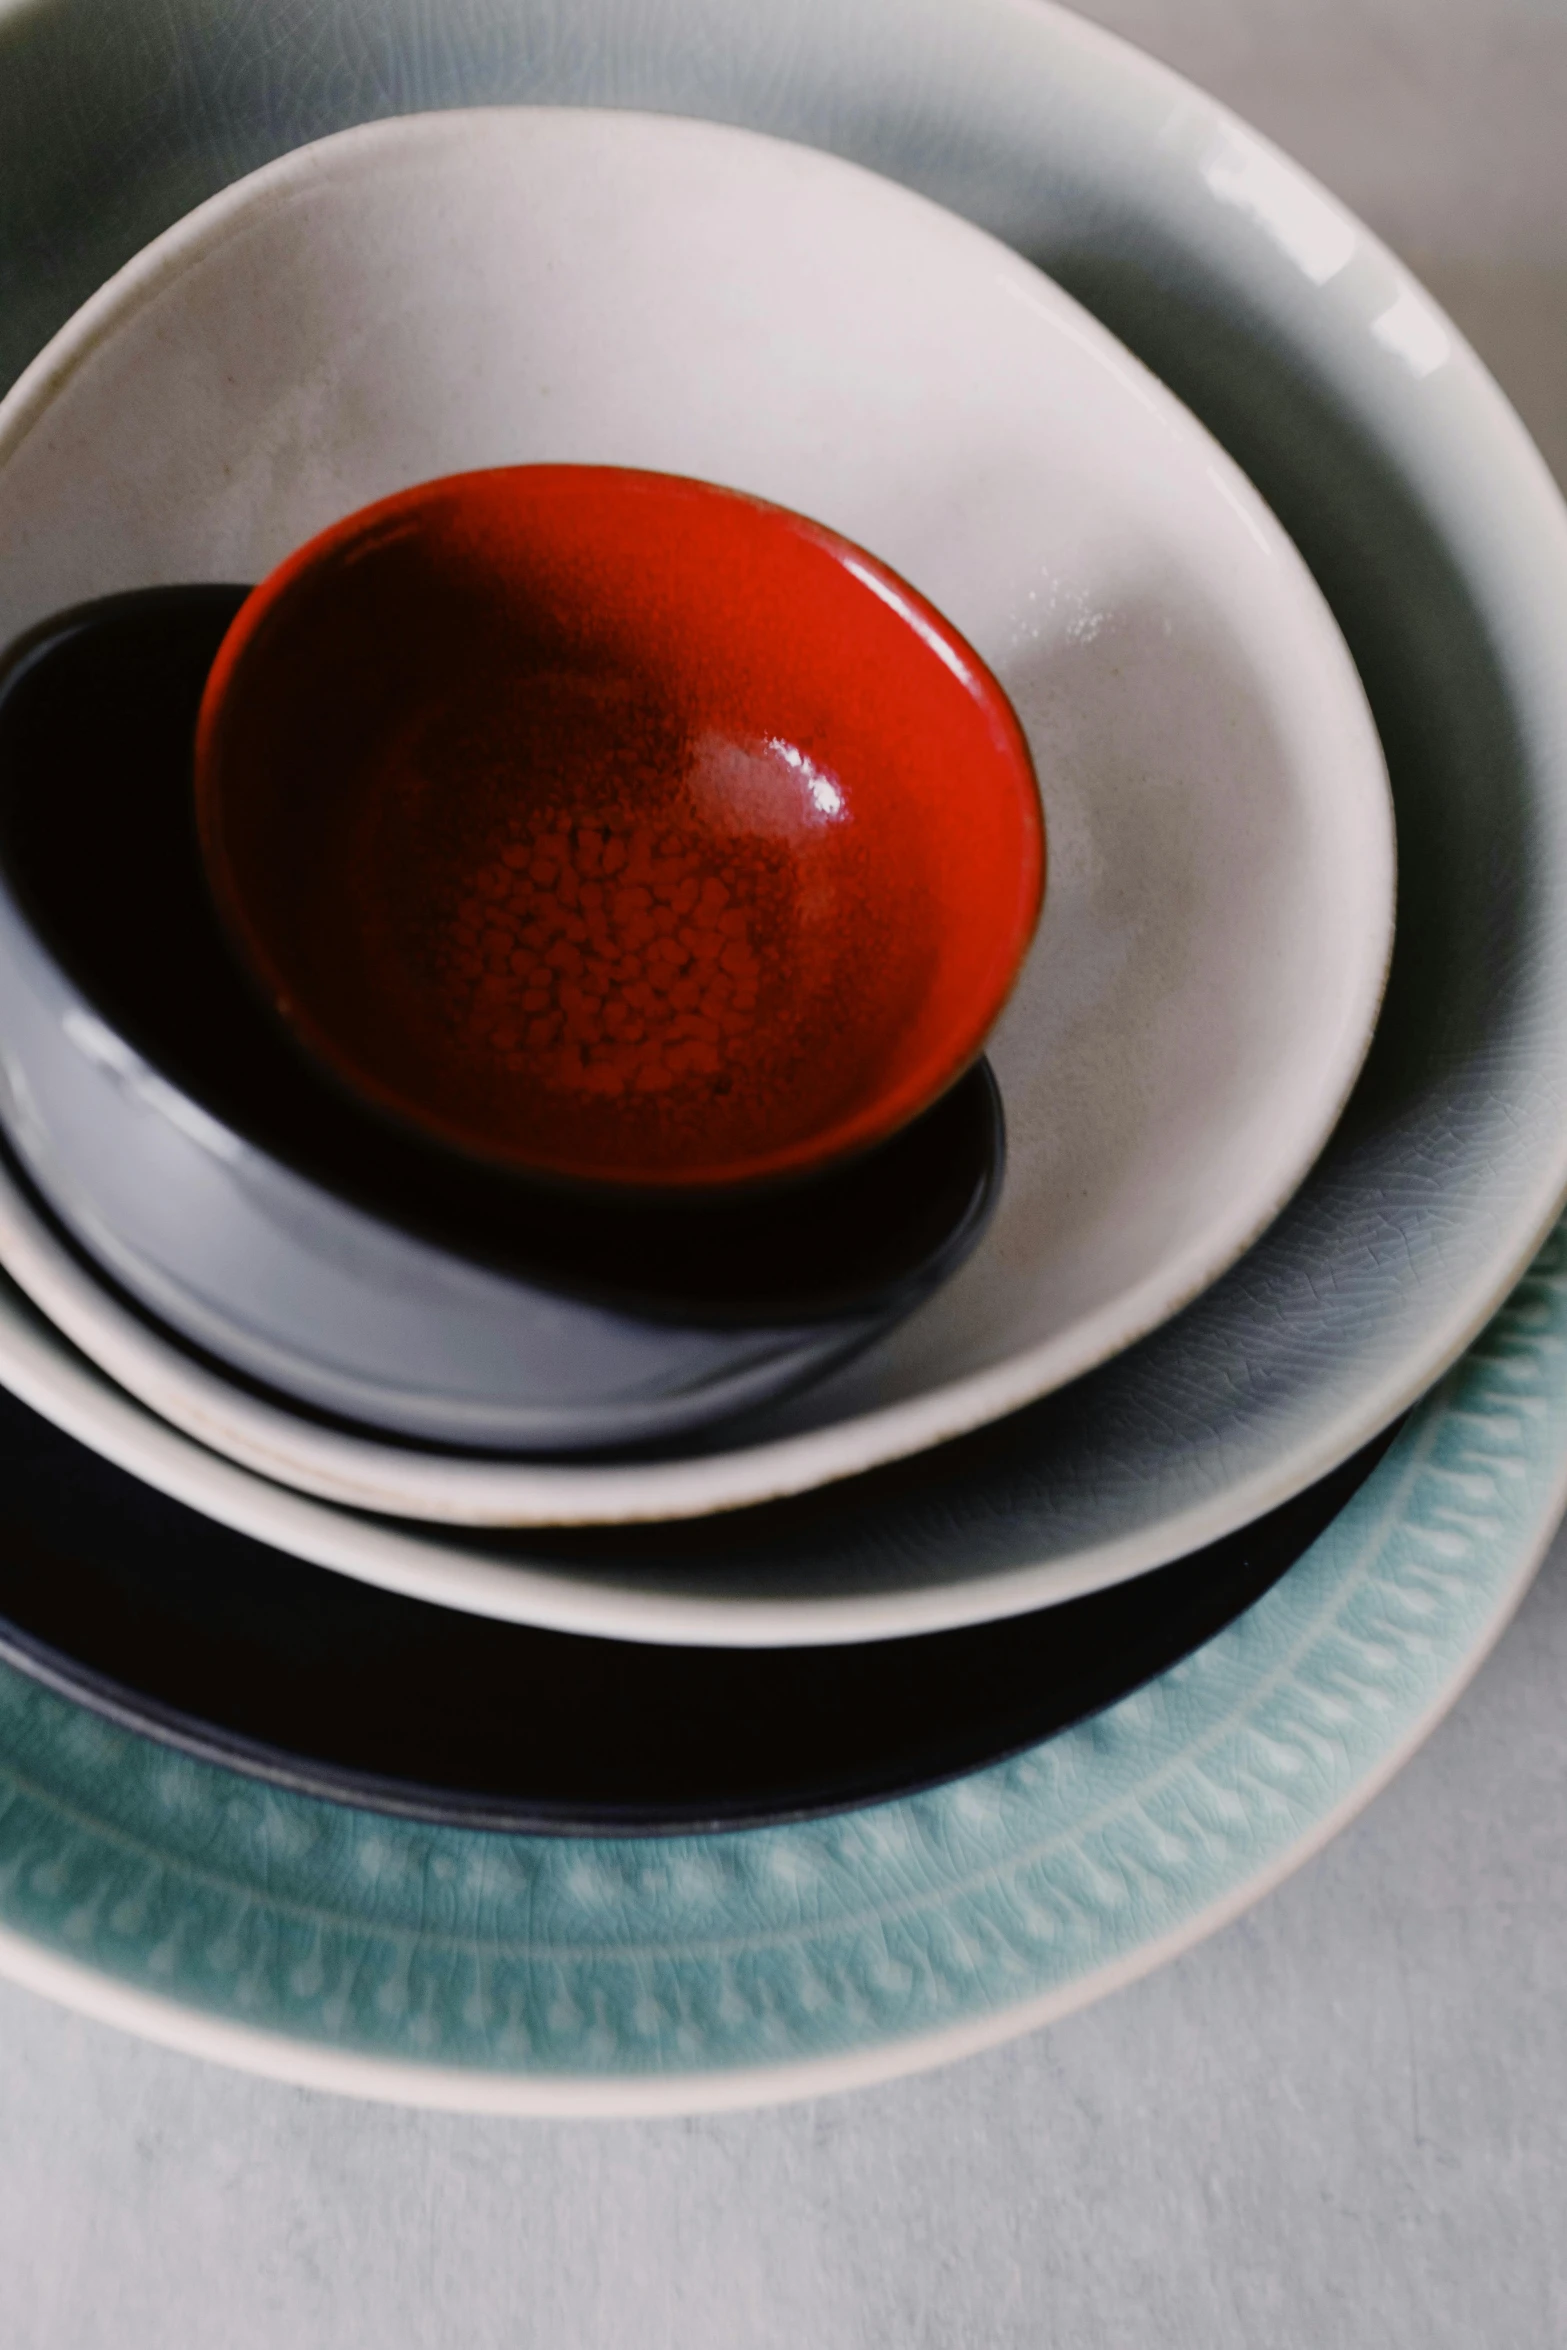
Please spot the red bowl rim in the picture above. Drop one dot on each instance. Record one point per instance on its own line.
(858, 1130)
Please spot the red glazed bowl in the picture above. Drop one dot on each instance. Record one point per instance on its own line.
(612, 826)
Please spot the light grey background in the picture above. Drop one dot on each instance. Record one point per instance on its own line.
(1342, 2122)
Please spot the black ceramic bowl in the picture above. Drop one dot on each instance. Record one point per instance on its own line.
(229, 1188)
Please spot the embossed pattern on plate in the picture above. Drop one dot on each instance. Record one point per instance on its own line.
(527, 1974)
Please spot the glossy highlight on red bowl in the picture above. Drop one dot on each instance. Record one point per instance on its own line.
(618, 827)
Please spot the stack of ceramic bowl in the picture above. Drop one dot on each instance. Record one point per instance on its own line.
(341, 1504)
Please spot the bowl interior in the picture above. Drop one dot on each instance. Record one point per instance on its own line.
(617, 825)
(1208, 967)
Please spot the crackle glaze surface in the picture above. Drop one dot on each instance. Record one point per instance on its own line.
(394, 1959)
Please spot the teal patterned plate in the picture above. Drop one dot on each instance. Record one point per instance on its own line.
(437, 1966)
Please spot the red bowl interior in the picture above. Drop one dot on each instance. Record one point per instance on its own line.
(612, 825)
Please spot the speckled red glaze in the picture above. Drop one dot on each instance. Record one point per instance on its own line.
(617, 826)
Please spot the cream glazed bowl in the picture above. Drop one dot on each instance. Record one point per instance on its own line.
(432, 295)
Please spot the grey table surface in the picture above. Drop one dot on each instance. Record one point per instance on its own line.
(1343, 2121)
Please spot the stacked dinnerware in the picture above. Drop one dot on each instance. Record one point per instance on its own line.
(1208, 1285)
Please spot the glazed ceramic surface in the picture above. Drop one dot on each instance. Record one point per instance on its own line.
(1424, 512)
(499, 729)
(331, 1254)
(511, 1974)
(1219, 917)
(229, 1650)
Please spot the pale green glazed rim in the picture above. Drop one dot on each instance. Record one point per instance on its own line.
(346, 1950)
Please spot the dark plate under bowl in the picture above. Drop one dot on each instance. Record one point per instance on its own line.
(203, 1638)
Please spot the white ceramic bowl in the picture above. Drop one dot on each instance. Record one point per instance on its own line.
(1425, 513)
(422, 296)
